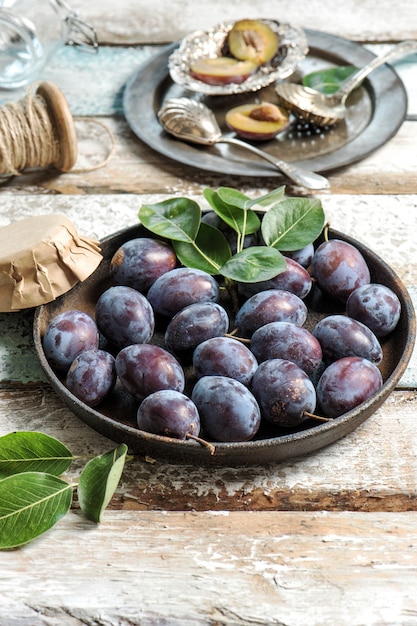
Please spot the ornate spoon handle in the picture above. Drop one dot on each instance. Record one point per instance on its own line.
(302, 177)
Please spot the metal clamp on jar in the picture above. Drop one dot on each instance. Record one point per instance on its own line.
(31, 32)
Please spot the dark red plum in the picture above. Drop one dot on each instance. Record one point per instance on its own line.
(284, 392)
(347, 383)
(295, 279)
(340, 336)
(67, 335)
(124, 316)
(146, 368)
(228, 411)
(272, 305)
(169, 413)
(303, 256)
(92, 376)
(139, 262)
(284, 340)
(224, 356)
(339, 268)
(376, 306)
(194, 324)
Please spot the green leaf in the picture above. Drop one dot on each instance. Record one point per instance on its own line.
(26, 451)
(270, 198)
(230, 206)
(30, 504)
(209, 251)
(98, 481)
(254, 264)
(176, 218)
(328, 80)
(293, 223)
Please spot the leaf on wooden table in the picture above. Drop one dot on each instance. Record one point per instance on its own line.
(98, 481)
(30, 504)
(26, 451)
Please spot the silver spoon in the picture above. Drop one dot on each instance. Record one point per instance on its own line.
(192, 121)
(327, 110)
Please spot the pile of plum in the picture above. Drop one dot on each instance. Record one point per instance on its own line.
(204, 358)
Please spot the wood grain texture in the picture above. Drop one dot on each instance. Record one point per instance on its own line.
(372, 469)
(133, 22)
(228, 569)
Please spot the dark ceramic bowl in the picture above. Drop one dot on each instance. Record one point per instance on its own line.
(116, 416)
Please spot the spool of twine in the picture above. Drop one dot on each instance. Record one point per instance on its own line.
(38, 132)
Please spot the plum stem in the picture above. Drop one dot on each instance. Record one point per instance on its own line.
(318, 417)
(206, 444)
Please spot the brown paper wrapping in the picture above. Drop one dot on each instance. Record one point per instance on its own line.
(41, 258)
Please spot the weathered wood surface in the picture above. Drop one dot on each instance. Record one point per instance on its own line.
(372, 469)
(227, 569)
(326, 539)
(132, 22)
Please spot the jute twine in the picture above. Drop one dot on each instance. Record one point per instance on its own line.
(29, 137)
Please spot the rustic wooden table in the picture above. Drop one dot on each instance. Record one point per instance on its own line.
(329, 538)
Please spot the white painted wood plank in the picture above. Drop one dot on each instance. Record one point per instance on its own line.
(230, 569)
(372, 469)
(133, 21)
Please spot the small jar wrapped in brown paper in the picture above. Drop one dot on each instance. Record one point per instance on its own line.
(42, 257)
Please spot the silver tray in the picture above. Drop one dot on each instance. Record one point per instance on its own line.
(375, 112)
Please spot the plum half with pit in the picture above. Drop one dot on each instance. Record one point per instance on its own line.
(259, 122)
(252, 40)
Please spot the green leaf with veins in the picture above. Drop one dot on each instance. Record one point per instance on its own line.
(30, 504)
(208, 252)
(26, 451)
(293, 223)
(98, 481)
(242, 220)
(176, 218)
(254, 264)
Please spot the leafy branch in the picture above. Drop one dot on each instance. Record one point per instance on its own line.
(34, 497)
(287, 224)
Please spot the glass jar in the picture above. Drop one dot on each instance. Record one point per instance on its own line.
(31, 31)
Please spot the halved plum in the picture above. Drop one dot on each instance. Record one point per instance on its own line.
(252, 40)
(258, 122)
(221, 70)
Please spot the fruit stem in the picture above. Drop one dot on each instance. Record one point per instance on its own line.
(318, 417)
(206, 444)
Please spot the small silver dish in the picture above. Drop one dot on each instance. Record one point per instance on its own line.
(293, 47)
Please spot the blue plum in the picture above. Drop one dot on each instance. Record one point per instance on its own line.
(139, 262)
(169, 413)
(146, 368)
(228, 411)
(67, 335)
(224, 356)
(272, 305)
(340, 336)
(339, 268)
(347, 383)
(285, 393)
(124, 316)
(181, 287)
(92, 376)
(376, 306)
